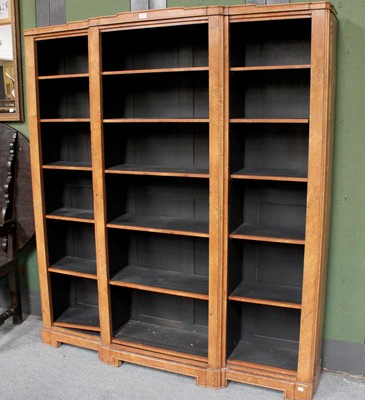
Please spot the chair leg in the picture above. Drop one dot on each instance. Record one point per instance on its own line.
(16, 303)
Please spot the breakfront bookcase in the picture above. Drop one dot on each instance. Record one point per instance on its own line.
(181, 177)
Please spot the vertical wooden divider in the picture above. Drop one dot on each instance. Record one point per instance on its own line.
(318, 207)
(216, 202)
(97, 151)
(38, 192)
(226, 178)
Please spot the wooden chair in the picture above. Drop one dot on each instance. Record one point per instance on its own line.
(8, 265)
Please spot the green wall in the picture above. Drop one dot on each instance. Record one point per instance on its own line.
(27, 258)
(345, 311)
(345, 306)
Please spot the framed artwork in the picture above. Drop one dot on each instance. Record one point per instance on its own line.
(5, 12)
(11, 98)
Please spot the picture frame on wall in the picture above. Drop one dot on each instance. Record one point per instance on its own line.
(5, 12)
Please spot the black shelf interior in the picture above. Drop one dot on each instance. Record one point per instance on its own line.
(186, 225)
(157, 260)
(168, 47)
(270, 94)
(270, 231)
(269, 271)
(68, 193)
(62, 56)
(178, 95)
(276, 209)
(143, 169)
(75, 300)
(269, 149)
(71, 246)
(64, 98)
(66, 144)
(159, 320)
(263, 335)
(155, 202)
(263, 43)
(271, 354)
(157, 147)
(263, 291)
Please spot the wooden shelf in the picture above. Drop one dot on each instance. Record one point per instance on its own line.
(63, 76)
(269, 120)
(268, 234)
(174, 226)
(273, 295)
(266, 174)
(72, 214)
(75, 266)
(155, 71)
(155, 120)
(270, 68)
(158, 170)
(69, 165)
(81, 317)
(56, 120)
(169, 338)
(162, 281)
(250, 353)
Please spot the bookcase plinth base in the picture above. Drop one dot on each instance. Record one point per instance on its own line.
(47, 338)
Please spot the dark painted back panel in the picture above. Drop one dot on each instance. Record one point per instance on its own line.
(64, 98)
(178, 95)
(169, 47)
(63, 56)
(171, 253)
(184, 145)
(73, 190)
(271, 43)
(70, 239)
(270, 146)
(274, 94)
(66, 142)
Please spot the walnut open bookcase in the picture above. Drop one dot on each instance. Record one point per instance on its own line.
(181, 177)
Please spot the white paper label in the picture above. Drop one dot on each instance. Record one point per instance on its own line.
(143, 16)
(301, 389)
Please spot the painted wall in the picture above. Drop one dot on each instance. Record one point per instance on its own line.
(345, 306)
(345, 311)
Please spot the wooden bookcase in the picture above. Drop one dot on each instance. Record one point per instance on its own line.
(181, 179)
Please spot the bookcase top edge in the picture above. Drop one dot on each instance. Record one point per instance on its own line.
(179, 13)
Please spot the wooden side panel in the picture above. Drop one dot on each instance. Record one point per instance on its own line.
(37, 181)
(318, 208)
(217, 162)
(226, 179)
(97, 154)
(331, 67)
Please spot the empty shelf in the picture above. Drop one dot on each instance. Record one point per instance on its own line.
(72, 213)
(178, 226)
(158, 170)
(273, 354)
(152, 279)
(76, 266)
(268, 233)
(81, 316)
(277, 295)
(271, 174)
(182, 340)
